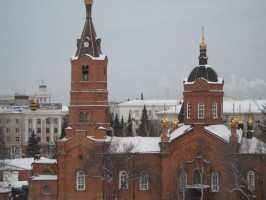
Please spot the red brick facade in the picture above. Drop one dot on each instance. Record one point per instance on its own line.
(194, 160)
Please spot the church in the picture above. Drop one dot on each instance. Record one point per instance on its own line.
(198, 159)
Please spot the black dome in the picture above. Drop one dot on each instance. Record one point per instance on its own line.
(203, 71)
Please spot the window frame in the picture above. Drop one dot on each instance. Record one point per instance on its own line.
(215, 110)
(188, 110)
(215, 182)
(46, 189)
(80, 181)
(123, 176)
(251, 180)
(201, 110)
(81, 117)
(85, 73)
(144, 181)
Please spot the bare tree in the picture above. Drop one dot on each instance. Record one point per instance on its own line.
(107, 164)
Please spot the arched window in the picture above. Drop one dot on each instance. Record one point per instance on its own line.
(215, 182)
(123, 180)
(197, 177)
(201, 111)
(214, 110)
(17, 150)
(251, 180)
(144, 181)
(81, 117)
(188, 110)
(85, 73)
(80, 181)
(46, 189)
(182, 180)
(87, 117)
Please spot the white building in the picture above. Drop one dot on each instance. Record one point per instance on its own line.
(135, 108)
(42, 95)
(18, 122)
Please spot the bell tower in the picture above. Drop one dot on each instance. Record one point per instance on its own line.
(89, 108)
(203, 92)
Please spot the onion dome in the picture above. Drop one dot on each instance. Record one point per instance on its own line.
(165, 122)
(239, 121)
(203, 71)
(250, 121)
(175, 122)
(88, 2)
(233, 121)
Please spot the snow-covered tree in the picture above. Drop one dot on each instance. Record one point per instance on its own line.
(129, 131)
(33, 146)
(144, 129)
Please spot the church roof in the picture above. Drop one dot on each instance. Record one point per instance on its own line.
(203, 71)
(89, 43)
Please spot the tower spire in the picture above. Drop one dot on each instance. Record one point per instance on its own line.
(203, 59)
(89, 43)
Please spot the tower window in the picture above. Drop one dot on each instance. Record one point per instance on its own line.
(201, 111)
(214, 110)
(215, 182)
(188, 110)
(87, 117)
(81, 117)
(197, 177)
(85, 73)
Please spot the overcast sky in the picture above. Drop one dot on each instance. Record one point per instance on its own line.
(152, 45)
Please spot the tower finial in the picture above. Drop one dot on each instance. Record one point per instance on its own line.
(87, 2)
(203, 46)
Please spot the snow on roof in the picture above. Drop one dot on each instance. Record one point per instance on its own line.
(25, 163)
(22, 163)
(44, 178)
(150, 103)
(244, 106)
(101, 57)
(106, 139)
(44, 160)
(219, 130)
(220, 81)
(136, 144)
(252, 146)
(182, 129)
(170, 110)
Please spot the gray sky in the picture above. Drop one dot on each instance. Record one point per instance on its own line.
(151, 45)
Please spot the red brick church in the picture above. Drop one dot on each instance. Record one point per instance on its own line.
(198, 159)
